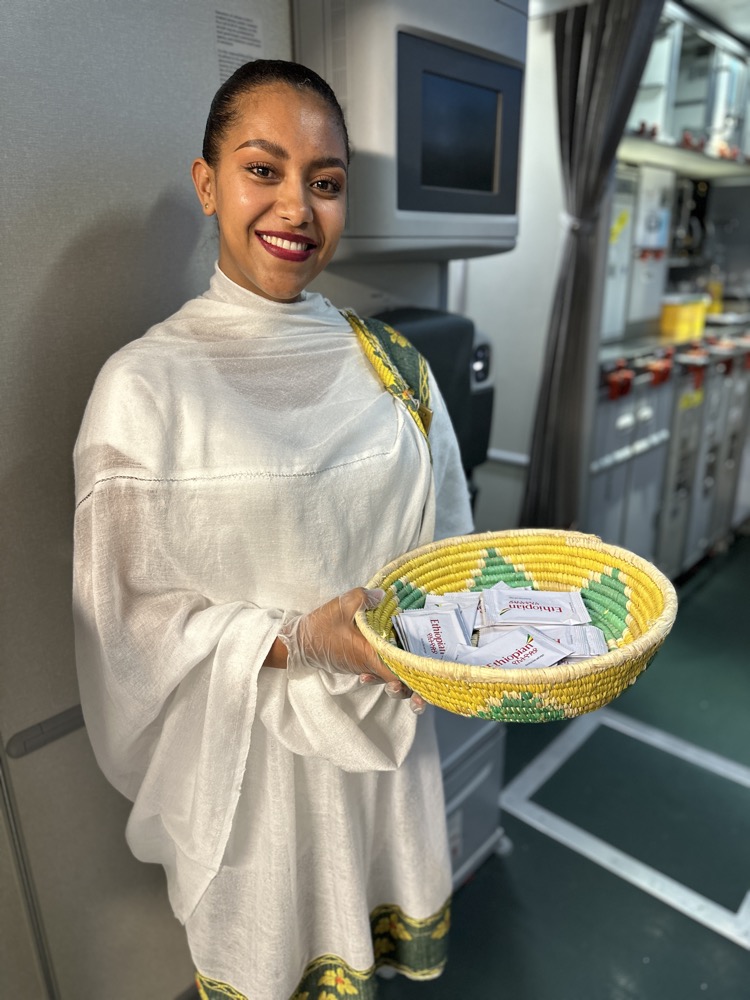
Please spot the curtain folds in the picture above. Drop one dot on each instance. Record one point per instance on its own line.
(601, 50)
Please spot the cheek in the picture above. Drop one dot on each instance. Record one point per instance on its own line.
(336, 219)
(236, 203)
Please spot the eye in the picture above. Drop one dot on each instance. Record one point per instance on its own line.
(327, 185)
(261, 170)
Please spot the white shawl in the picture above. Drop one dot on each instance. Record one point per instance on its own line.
(239, 460)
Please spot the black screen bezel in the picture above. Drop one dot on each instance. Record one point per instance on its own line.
(417, 55)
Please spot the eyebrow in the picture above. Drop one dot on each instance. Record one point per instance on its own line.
(273, 149)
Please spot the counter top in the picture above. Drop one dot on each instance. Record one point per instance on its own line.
(646, 341)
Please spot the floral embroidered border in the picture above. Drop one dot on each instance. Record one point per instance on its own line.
(418, 948)
(399, 366)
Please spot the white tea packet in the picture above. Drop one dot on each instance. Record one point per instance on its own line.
(488, 633)
(435, 632)
(519, 647)
(584, 641)
(502, 585)
(468, 605)
(537, 607)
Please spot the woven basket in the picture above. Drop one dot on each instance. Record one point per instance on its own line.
(630, 600)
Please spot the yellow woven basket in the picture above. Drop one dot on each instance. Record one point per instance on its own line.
(630, 600)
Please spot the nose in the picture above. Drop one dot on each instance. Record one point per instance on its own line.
(293, 203)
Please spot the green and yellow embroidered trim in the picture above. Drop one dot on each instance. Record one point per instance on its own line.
(418, 948)
(399, 366)
(211, 988)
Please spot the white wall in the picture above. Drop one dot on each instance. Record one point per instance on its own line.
(103, 110)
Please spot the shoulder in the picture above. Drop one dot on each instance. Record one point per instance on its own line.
(320, 310)
(384, 344)
(140, 369)
(129, 410)
(123, 426)
(128, 380)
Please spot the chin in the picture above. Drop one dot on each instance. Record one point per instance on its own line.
(283, 296)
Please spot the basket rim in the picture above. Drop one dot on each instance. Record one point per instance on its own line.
(509, 677)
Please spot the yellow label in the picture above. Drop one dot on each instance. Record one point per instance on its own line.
(618, 225)
(690, 399)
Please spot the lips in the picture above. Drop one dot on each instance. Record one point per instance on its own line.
(287, 246)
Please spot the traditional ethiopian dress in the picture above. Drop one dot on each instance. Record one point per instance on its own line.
(239, 460)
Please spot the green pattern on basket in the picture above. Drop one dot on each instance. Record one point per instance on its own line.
(522, 707)
(495, 569)
(607, 602)
(409, 597)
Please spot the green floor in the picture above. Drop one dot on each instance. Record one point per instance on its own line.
(544, 922)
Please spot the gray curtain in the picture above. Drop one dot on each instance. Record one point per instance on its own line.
(601, 50)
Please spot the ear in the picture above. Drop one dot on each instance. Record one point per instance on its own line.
(205, 187)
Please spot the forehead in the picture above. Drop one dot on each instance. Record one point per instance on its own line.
(281, 112)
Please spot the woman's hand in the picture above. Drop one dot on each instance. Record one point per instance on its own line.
(328, 639)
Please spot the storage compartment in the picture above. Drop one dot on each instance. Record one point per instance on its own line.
(732, 441)
(715, 409)
(682, 461)
(631, 433)
(472, 755)
(653, 394)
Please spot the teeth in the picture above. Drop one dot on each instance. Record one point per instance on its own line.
(285, 244)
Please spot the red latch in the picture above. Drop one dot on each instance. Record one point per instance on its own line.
(660, 369)
(619, 382)
(647, 253)
(699, 375)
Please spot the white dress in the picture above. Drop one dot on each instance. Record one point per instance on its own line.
(239, 460)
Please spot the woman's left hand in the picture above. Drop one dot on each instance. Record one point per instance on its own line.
(397, 690)
(329, 639)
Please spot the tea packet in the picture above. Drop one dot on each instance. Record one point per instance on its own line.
(433, 632)
(488, 633)
(518, 647)
(537, 607)
(584, 641)
(468, 605)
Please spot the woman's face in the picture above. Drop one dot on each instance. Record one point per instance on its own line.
(278, 191)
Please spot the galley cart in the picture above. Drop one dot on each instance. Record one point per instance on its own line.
(716, 389)
(653, 400)
(472, 757)
(611, 450)
(689, 377)
(732, 441)
(629, 452)
(741, 511)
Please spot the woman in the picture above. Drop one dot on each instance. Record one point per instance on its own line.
(240, 471)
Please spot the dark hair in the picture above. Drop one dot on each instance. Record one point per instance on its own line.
(254, 74)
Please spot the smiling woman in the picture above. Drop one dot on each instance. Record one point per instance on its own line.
(274, 173)
(240, 470)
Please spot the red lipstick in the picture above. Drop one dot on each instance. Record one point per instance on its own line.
(287, 246)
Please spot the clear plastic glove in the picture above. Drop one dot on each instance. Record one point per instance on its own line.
(327, 638)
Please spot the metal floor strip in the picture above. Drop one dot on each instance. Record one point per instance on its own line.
(693, 754)
(515, 799)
